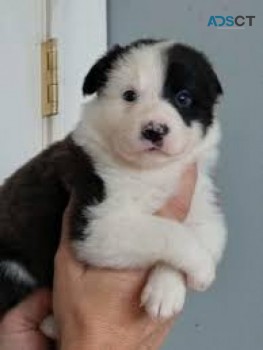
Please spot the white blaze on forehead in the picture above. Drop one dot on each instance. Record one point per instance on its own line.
(141, 68)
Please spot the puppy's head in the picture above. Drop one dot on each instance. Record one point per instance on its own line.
(154, 101)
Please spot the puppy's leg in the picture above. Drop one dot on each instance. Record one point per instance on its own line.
(164, 293)
(140, 241)
(212, 234)
(206, 221)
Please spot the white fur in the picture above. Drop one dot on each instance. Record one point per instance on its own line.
(164, 294)
(122, 231)
(17, 272)
(49, 327)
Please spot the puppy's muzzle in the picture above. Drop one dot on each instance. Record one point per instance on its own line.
(155, 133)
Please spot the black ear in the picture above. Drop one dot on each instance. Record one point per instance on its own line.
(220, 90)
(98, 74)
(217, 84)
(213, 83)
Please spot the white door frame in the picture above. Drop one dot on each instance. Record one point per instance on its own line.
(80, 26)
(21, 33)
(81, 29)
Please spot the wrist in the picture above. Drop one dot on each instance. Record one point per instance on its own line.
(94, 339)
(73, 346)
(68, 343)
(86, 344)
(83, 338)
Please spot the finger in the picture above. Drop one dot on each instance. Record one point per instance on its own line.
(34, 308)
(187, 185)
(66, 221)
(178, 207)
(65, 258)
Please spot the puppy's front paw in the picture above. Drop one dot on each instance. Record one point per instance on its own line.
(202, 276)
(164, 294)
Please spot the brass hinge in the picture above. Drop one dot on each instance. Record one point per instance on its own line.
(49, 72)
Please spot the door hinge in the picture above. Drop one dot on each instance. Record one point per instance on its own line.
(49, 77)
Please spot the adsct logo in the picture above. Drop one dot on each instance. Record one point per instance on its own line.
(231, 22)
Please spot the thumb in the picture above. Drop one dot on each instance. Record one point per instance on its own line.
(178, 207)
(34, 308)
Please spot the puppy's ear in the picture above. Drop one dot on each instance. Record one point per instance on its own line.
(98, 74)
(217, 84)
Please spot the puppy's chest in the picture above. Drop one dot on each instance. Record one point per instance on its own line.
(142, 191)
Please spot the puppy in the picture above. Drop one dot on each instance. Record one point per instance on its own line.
(151, 116)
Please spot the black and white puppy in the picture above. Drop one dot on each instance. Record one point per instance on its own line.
(151, 116)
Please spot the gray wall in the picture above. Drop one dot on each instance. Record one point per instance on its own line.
(230, 316)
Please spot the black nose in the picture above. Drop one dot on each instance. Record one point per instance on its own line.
(154, 132)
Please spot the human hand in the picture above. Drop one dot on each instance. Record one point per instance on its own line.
(98, 309)
(19, 328)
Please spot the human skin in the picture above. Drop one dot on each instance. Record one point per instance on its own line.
(93, 308)
(19, 328)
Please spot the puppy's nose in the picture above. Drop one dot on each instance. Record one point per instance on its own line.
(154, 132)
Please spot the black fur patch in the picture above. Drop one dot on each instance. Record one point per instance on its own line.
(189, 69)
(97, 77)
(32, 202)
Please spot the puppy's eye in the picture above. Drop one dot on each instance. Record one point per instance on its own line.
(130, 95)
(183, 98)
